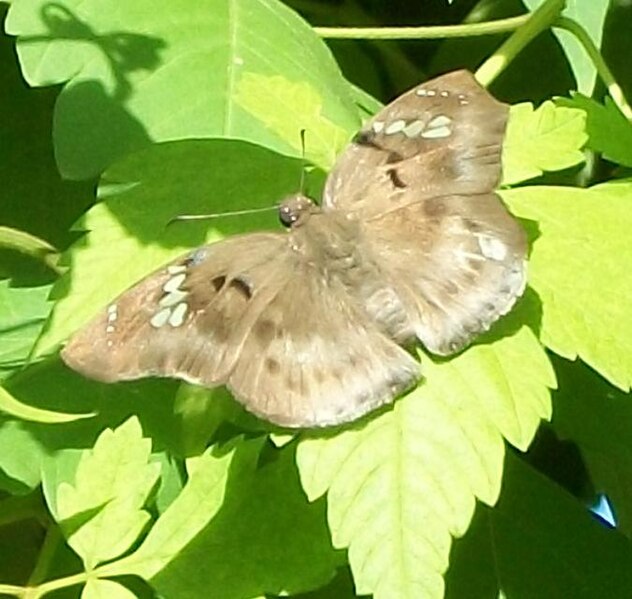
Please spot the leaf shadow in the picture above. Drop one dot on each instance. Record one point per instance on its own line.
(124, 51)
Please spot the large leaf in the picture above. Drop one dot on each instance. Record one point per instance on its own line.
(206, 69)
(598, 418)
(403, 484)
(539, 542)
(579, 267)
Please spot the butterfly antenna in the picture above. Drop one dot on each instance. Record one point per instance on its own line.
(185, 217)
(304, 163)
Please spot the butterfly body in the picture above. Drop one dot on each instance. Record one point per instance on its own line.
(306, 326)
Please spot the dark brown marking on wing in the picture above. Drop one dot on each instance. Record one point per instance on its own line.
(395, 178)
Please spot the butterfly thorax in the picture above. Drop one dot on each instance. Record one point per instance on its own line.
(333, 244)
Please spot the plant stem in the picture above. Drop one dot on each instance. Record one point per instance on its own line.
(30, 245)
(605, 73)
(539, 20)
(430, 32)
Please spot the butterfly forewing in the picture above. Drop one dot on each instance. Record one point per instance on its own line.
(188, 319)
(442, 137)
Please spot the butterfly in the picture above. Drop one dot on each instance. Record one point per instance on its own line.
(309, 327)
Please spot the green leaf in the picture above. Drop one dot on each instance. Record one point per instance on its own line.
(591, 16)
(539, 541)
(401, 486)
(33, 197)
(609, 131)
(113, 480)
(548, 138)
(598, 418)
(15, 443)
(13, 407)
(266, 539)
(133, 84)
(98, 588)
(189, 513)
(23, 311)
(579, 269)
(144, 192)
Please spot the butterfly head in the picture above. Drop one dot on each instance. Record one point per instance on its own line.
(295, 210)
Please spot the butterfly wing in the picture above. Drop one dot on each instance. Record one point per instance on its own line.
(252, 313)
(184, 320)
(419, 177)
(314, 358)
(457, 262)
(441, 137)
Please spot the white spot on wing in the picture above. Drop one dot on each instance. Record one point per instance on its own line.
(174, 282)
(160, 318)
(378, 126)
(178, 314)
(171, 299)
(395, 127)
(112, 313)
(413, 129)
(109, 329)
(176, 269)
(439, 121)
(492, 247)
(445, 94)
(436, 133)
(421, 92)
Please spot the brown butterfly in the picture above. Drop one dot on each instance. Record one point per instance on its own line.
(306, 327)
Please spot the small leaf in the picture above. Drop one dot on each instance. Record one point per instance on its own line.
(99, 588)
(579, 267)
(609, 131)
(113, 480)
(16, 442)
(10, 405)
(402, 485)
(591, 15)
(549, 138)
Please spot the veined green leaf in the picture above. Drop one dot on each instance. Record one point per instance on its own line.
(609, 131)
(579, 269)
(112, 482)
(400, 487)
(132, 73)
(548, 138)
